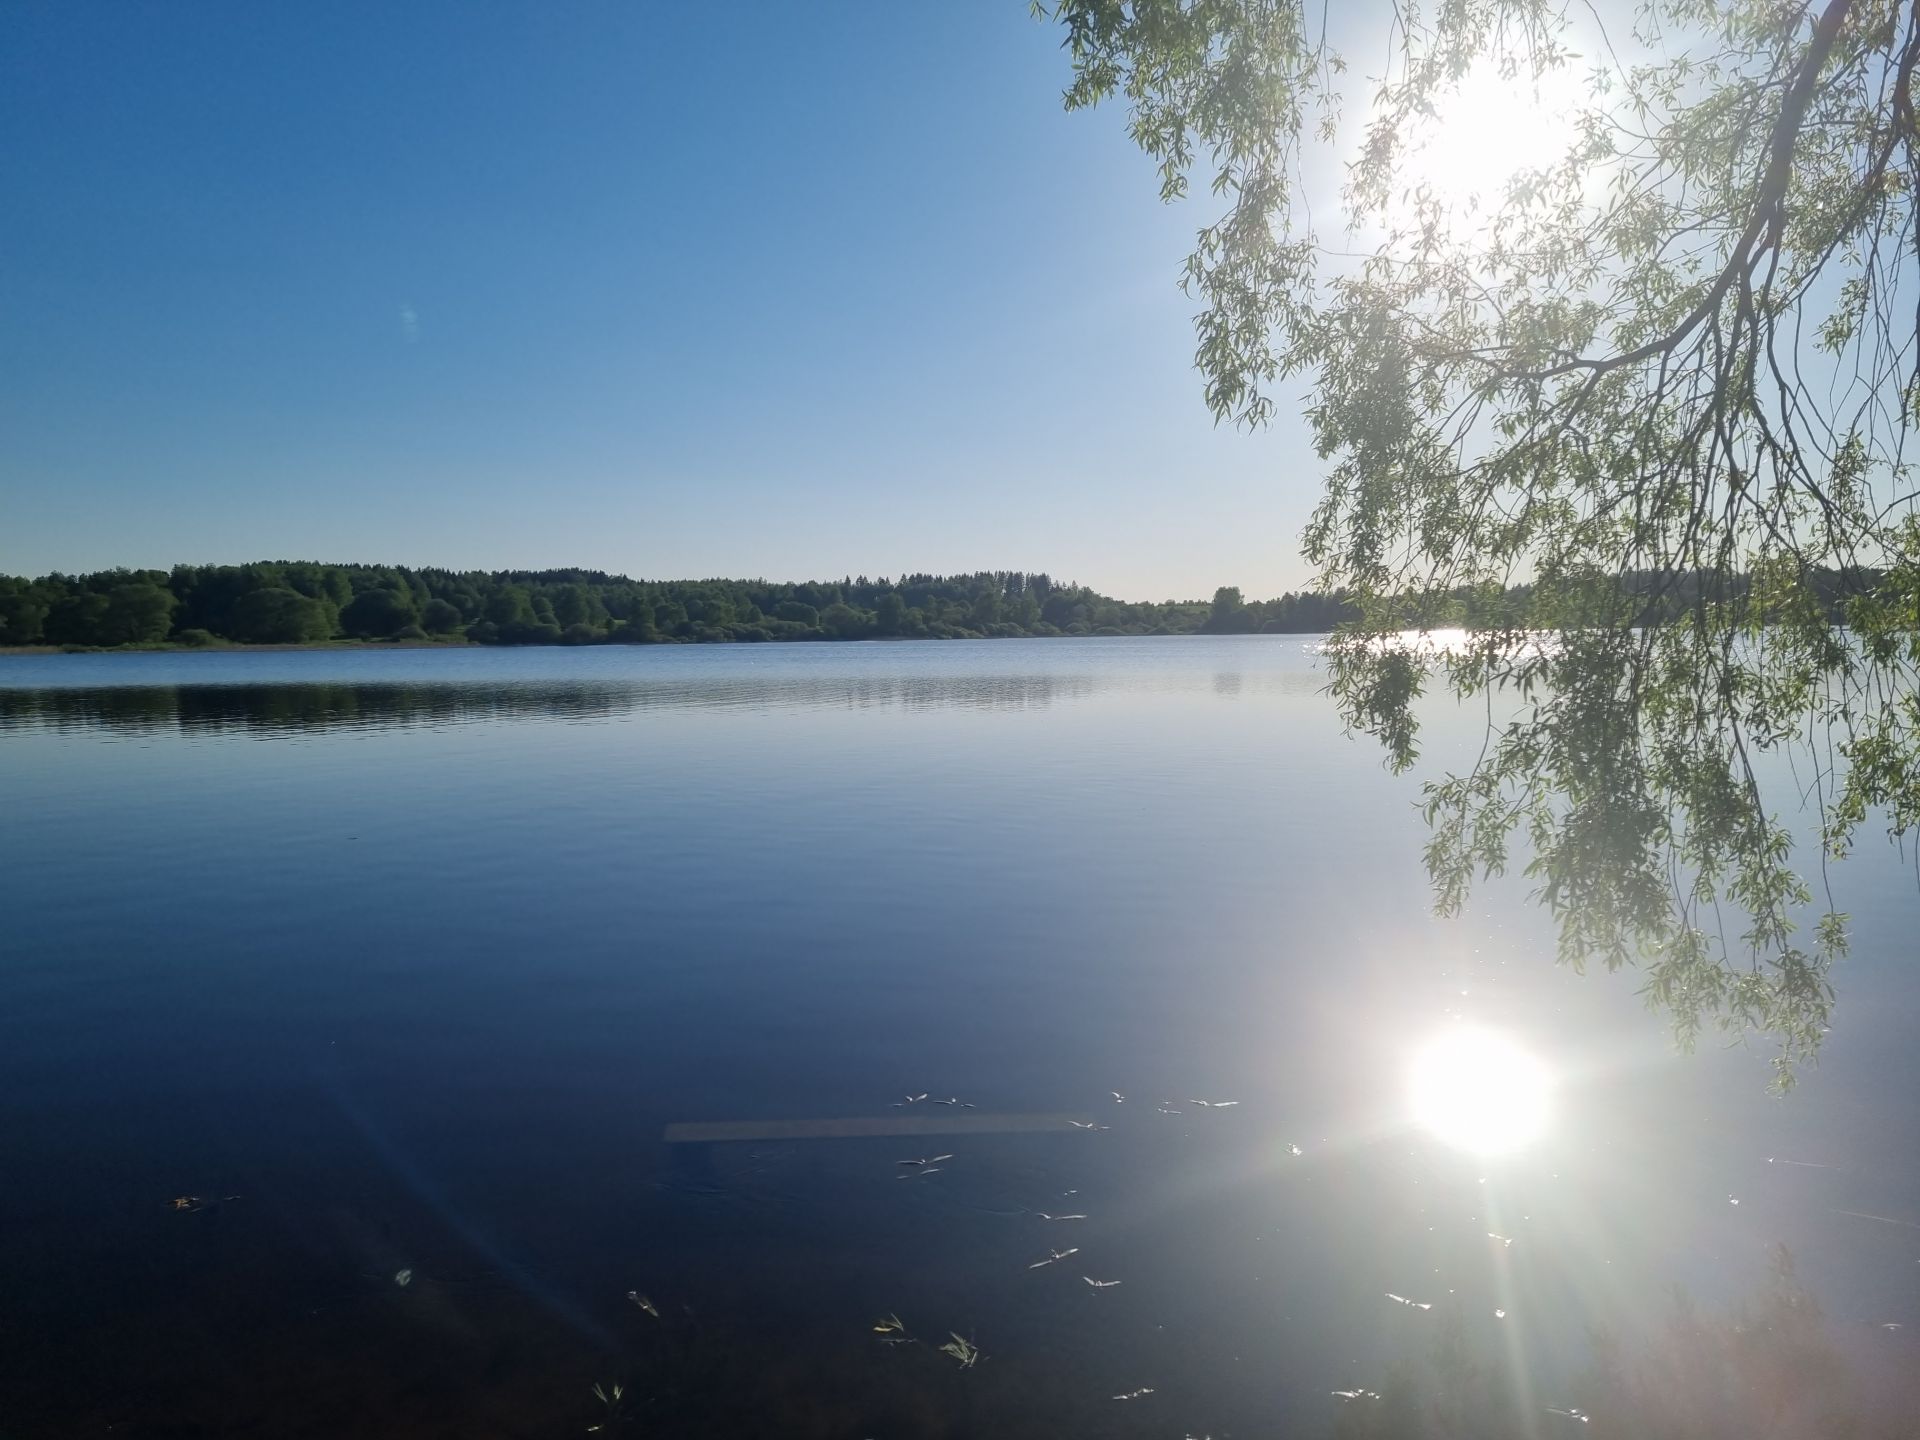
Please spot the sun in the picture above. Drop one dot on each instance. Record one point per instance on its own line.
(1493, 125)
(1479, 1091)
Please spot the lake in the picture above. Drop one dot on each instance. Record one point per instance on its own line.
(397, 965)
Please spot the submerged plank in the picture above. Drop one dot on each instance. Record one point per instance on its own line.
(941, 1122)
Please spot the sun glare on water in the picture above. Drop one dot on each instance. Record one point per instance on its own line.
(1479, 1091)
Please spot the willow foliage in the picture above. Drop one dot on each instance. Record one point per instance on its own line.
(1663, 384)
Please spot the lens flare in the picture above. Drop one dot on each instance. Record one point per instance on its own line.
(1479, 1091)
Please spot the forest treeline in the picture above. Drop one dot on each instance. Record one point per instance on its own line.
(300, 602)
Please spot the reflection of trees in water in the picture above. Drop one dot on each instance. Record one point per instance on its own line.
(321, 708)
(963, 692)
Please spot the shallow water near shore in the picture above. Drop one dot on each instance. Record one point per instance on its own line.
(405, 961)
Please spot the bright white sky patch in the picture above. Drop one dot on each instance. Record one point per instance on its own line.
(1492, 127)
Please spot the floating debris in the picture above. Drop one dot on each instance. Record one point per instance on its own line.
(1213, 1104)
(929, 1160)
(1357, 1394)
(1053, 1257)
(1891, 1325)
(612, 1401)
(1506, 1240)
(1087, 1125)
(1410, 1304)
(1165, 1110)
(1045, 1216)
(643, 1302)
(916, 1174)
(1135, 1394)
(963, 1104)
(892, 1331)
(1802, 1164)
(186, 1202)
(1883, 1219)
(1295, 1150)
(1118, 1098)
(1099, 1284)
(1499, 1314)
(1572, 1413)
(403, 1278)
(1731, 1200)
(910, 1100)
(963, 1350)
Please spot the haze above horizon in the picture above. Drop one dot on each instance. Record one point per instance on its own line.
(772, 292)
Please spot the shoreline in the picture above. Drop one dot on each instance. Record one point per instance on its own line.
(36, 652)
(41, 651)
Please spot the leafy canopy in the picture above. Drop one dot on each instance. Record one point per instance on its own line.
(1633, 419)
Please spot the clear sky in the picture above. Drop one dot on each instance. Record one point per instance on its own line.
(780, 290)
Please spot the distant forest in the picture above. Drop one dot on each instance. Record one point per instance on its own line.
(298, 602)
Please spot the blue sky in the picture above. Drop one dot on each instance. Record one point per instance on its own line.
(752, 290)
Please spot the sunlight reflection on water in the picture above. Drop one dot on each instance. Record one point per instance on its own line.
(423, 990)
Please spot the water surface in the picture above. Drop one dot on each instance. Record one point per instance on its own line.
(414, 954)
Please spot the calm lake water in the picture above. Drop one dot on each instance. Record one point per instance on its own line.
(415, 954)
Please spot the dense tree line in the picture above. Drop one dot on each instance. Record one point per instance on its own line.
(298, 602)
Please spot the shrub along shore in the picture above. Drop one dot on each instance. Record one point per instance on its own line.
(302, 604)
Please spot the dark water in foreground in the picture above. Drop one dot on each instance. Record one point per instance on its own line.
(415, 955)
